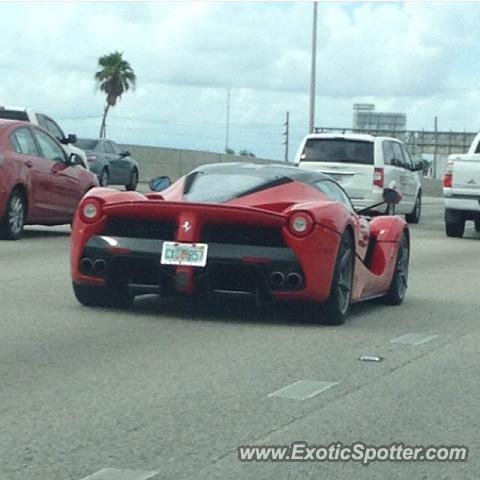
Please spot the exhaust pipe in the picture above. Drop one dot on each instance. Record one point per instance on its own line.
(277, 279)
(294, 280)
(86, 265)
(100, 267)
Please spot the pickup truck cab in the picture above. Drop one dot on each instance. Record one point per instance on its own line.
(461, 190)
(364, 165)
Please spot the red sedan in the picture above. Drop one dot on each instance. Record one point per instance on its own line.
(265, 232)
(39, 184)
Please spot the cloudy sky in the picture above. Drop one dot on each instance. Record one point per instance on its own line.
(420, 58)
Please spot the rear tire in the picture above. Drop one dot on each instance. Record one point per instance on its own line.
(96, 296)
(11, 227)
(337, 306)
(398, 287)
(132, 186)
(477, 225)
(414, 217)
(455, 228)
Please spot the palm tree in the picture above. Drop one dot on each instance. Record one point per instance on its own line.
(114, 78)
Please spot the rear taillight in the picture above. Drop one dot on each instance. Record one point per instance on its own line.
(378, 177)
(448, 176)
(447, 180)
(91, 210)
(301, 224)
(91, 158)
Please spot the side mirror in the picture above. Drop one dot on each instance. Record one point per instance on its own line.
(71, 138)
(74, 159)
(417, 166)
(158, 184)
(126, 153)
(391, 196)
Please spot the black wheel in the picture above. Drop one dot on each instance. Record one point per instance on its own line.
(133, 181)
(414, 217)
(455, 229)
(477, 225)
(13, 222)
(104, 177)
(398, 287)
(96, 296)
(336, 307)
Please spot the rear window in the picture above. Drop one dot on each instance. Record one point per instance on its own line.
(14, 115)
(338, 150)
(86, 143)
(221, 187)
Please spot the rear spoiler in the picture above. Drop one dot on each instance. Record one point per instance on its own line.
(206, 212)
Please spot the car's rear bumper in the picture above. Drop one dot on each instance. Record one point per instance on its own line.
(462, 202)
(235, 270)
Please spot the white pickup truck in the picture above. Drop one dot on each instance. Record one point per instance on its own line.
(461, 190)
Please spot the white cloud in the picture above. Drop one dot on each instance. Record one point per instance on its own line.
(412, 57)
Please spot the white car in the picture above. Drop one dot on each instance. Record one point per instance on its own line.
(364, 165)
(44, 121)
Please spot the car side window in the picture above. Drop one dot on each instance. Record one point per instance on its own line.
(108, 147)
(42, 120)
(388, 155)
(334, 192)
(54, 129)
(116, 148)
(24, 143)
(398, 155)
(51, 150)
(408, 158)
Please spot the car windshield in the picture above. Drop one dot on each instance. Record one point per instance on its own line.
(86, 143)
(220, 187)
(338, 151)
(13, 114)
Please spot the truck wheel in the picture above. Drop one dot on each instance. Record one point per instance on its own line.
(455, 229)
(414, 217)
(104, 177)
(477, 225)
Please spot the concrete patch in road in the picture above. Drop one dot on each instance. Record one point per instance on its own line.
(302, 389)
(413, 338)
(120, 474)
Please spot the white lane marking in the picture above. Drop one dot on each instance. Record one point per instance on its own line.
(413, 338)
(302, 389)
(120, 474)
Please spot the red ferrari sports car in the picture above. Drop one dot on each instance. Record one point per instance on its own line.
(268, 232)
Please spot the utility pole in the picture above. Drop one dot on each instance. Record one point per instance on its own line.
(286, 133)
(435, 127)
(228, 121)
(313, 70)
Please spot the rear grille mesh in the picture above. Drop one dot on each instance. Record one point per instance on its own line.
(136, 228)
(243, 235)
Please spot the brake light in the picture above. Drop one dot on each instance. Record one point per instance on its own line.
(91, 210)
(378, 177)
(448, 176)
(91, 158)
(447, 180)
(301, 224)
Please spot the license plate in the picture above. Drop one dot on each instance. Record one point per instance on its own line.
(190, 254)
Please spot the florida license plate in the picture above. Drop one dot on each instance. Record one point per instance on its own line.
(190, 254)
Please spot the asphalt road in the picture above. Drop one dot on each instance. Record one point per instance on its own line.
(174, 388)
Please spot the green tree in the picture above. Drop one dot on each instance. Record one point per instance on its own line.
(114, 78)
(246, 153)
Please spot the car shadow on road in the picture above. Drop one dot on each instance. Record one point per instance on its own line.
(235, 311)
(45, 232)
